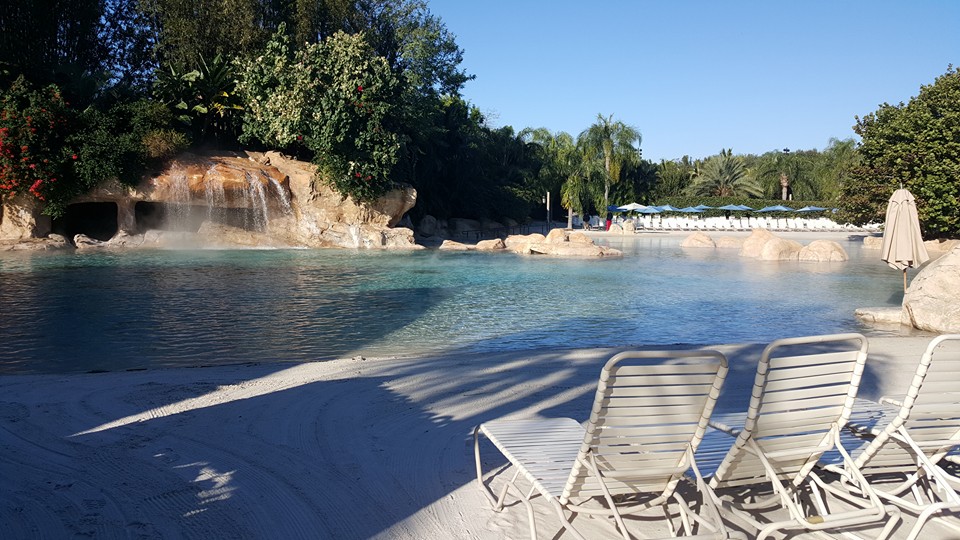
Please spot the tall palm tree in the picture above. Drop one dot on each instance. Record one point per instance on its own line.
(724, 175)
(612, 143)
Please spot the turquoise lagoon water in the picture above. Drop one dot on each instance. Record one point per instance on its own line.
(82, 311)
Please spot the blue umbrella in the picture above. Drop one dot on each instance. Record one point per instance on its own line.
(777, 208)
(613, 208)
(703, 207)
(744, 207)
(668, 208)
(650, 210)
(811, 209)
(731, 207)
(691, 210)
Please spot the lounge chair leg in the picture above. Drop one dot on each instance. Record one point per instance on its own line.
(566, 522)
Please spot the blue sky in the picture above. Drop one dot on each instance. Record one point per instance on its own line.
(698, 76)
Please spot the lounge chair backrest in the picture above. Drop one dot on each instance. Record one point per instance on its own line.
(803, 392)
(650, 413)
(930, 410)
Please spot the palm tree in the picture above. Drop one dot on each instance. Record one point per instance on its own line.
(724, 175)
(611, 143)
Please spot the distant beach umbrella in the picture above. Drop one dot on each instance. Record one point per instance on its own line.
(734, 207)
(810, 209)
(632, 207)
(744, 207)
(613, 208)
(691, 210)
(703, 207)
(668, 208)
(902, 245)
(650, 210)
(777, 208)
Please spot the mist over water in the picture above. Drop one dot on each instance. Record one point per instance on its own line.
(86, 311)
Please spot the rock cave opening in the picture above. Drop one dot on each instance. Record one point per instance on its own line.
(189, 218)
(97, 220)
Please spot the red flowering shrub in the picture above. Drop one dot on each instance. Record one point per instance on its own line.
(33, 128)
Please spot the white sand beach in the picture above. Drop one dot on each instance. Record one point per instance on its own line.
(353, 448)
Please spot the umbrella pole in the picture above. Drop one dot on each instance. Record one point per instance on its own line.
(904, 280)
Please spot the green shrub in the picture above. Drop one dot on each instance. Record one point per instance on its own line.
(35, 158)
(334, 98)
(162, 144)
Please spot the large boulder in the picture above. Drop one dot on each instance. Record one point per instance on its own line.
(872, 242)
(753, 244)
(931, 303)
(730, 242)
(451, 245)
(49, 243)
(21, 217)
(491, 245)
(823, 251)
(941, 246)
(518, 240)
(780, 249)
(698, 240)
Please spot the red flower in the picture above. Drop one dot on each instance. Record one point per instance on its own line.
(299, 138)
(358, 175)
(359, 89)
(74, 157)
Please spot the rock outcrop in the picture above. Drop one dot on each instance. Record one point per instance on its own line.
(698, 240)
(491, 245)
(931, 302)
(730, 242)
(450, 245)
(278, 198)
(823, 251)
(872, 242)
(753, 244)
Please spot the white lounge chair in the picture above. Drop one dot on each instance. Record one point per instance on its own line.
(905, 445)
(649, 414)
(802, 396)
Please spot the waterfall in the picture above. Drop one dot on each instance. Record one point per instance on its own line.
(355, 235)
(281, 195)
(256, 199)
(215, 196)
(180, 217)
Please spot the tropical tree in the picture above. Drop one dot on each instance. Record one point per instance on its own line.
(916, 145)
(673, 176)
(724, 175)
(612, 144)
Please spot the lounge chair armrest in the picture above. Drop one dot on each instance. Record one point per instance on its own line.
(887, 400)
(725, 428)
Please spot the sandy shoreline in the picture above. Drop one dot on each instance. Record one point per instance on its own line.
(343, 449)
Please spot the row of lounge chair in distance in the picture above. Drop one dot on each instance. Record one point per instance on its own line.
(807, 456)
(745, 224)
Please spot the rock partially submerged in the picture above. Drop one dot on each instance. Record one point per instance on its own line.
(698, 240)
(823, 251)
(932, 302)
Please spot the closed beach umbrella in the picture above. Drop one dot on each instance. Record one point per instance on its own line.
(902, 246)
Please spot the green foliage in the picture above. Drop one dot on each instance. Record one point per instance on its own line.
(186, 30)
(334, 98)
(673, 177)
(611, 143)
(724, 175)
(53, 153)
(162, 144)
(34, 158)
(53, 42)
(917, 145)
(205, 99)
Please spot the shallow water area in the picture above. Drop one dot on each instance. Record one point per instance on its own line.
(89, 311)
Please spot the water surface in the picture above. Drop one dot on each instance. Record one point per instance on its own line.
(83, 311)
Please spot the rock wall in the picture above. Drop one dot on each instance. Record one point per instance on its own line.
(296, 211)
